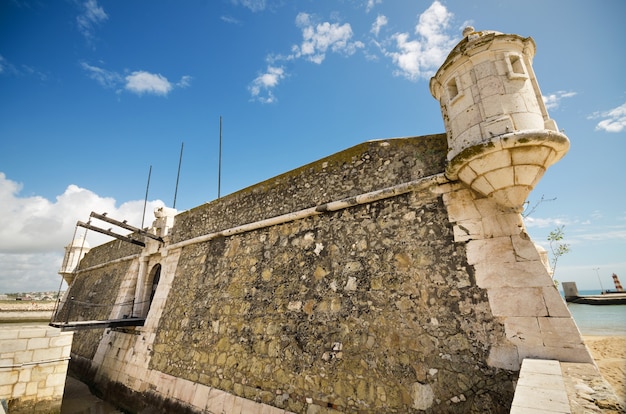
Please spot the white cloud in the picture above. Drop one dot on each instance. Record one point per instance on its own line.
(184, 82)
(370, 5)
(318, 39)
(545, 222)
(7, 68)
(253, 5)
(419, 58)
(261, 87)
(91, 16)
(553, 100)
(138, 82)
(378, 24)
(229, 19)
(104, 77)
(615, 119)
(141, 82)
(34, 230)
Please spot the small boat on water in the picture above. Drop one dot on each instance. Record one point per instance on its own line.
(606, 297)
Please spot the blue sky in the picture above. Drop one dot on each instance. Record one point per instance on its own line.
(93, 93)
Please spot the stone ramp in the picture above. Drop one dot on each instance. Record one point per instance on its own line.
(549, 386)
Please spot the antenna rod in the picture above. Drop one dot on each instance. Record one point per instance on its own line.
(180, 161)
(219, 171)
(145, 201)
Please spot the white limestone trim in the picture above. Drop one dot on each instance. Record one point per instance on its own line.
(540, 388)
(432, 180)
(25, 364)
(98, 266)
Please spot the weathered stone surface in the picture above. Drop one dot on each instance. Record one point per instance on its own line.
(366, 167)
(350, 325)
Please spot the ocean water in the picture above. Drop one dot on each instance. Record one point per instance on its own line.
(599, 319)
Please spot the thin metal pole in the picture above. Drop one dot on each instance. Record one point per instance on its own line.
(219, 171)
(180, 161)
(145, 201)
(598, 274)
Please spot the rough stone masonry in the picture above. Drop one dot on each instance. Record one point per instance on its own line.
(366, 282)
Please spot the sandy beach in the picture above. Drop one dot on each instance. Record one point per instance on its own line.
(609, 353)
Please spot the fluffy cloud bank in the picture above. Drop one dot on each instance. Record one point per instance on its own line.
(420, 57)
(34, 231)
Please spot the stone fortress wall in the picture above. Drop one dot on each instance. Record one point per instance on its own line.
(33, 367)
(373, 280)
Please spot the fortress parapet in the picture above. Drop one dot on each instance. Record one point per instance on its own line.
(500, 137)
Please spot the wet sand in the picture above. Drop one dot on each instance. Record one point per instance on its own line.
(77, 399)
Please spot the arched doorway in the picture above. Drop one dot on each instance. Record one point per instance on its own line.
(153, 281)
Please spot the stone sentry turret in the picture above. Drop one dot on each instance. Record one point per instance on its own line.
(500, 137)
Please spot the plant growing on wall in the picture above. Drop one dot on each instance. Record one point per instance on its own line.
(557, 247)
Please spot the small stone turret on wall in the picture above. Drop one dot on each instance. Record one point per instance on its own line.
(500, 137)
(74, 252)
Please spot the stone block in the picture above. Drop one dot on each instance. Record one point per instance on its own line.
(540, 366)
(62, 340)
(517, 302)
(66, 351)
(24, 375)
(236, 407)
(14, 345)
(5, 390)
(200, 396)
(495, 250)
(9, 377)
(249, 406)
(46, 354)
(527, 120)
(560, 332)
(487, 207)
(31, 388)
(6, 333)
(183, 390)
(22, 357)
(504, 357)
(579, 354)
(491, 161)
(467, 175)
(501, 178)
(525, 249)
(19, 390)
(460, 206)
(502, 225)
(523, 331)
(32, 333)
(45, 392)
(53, 333)
(515, 274)
(528, 174)
(531, 155)
(467, 230)
(54, 380)
(38, 343)
(555, 303)
(537, 398)
(219, 401)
